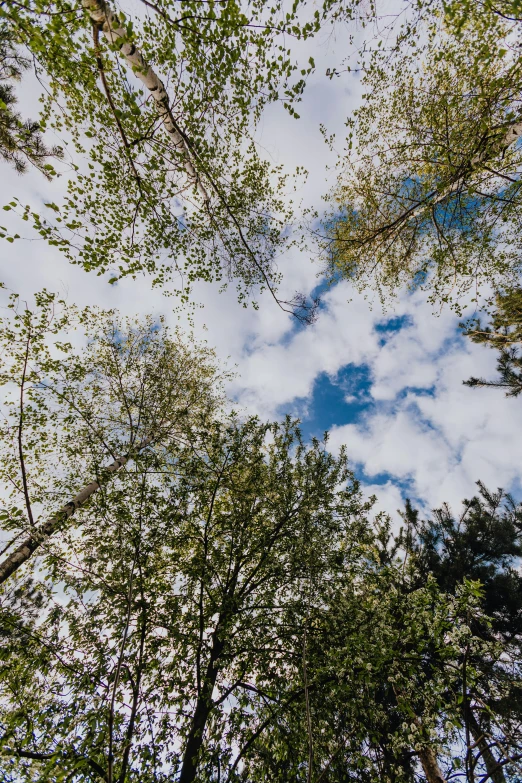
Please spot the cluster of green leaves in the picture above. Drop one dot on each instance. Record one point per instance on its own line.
(458, 13)
(429, 195)
(69, 409)
(383, 662)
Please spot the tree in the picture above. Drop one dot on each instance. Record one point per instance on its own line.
(20, 142)
(484, 544)
(74, 416)
(429, 195)
(384, 663)
(504, 334)
(159, 111)
(459, 13)
(412, 664)
(179, 606)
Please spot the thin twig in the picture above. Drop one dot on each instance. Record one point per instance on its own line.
(20, 428)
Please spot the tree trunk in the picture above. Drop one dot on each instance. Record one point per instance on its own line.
(201, 713)
(495, 772)
(430, 765)
(108, 22)
(513, 133)
(427, 756)
(24, 551)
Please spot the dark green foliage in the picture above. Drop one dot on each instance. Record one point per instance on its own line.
(384, 664)
(404, 666)
(505, 327)
(225, 608)
(165, 618)
(504, 333)
(509, 366)
(484, 544)
(20, 140)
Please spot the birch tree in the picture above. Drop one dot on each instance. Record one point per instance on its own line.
(159, 110)
(75, 415)
(428, 194)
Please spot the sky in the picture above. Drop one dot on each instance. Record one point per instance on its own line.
(387, 385)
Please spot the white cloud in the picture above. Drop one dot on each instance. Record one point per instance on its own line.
(388, 499)
(444, 441)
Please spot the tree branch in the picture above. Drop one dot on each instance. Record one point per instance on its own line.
(41, 534)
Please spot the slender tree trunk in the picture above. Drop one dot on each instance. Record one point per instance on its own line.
(308, 714)
(24, 551)
(495, 772)
(427, 755)
(430, 765)
(107, 21)
(512, 134)
(201, 713)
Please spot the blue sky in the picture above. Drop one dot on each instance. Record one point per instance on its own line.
(336, 401)
(342, 399)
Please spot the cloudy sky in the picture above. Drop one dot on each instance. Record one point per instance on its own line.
(388, 385)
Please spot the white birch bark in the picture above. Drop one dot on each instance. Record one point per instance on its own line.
(108, 22)
(24, 551)
(513, 133)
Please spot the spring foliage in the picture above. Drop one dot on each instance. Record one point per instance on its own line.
(429, 194)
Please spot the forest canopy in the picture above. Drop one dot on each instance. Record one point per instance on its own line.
(192, 591)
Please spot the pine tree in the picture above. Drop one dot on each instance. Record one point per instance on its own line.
(483, 544)
(504, 333)
(21, 141)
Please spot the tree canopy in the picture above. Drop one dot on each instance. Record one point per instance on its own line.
(428, 196)
(221, 604)
(189, 594)
(158, 107)
(167, 611)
